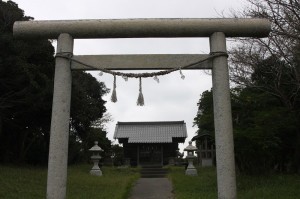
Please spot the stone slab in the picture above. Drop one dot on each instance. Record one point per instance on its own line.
(143, 28)
(152, 188)
(142, 62)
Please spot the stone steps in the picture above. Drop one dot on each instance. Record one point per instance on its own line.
(153, 171)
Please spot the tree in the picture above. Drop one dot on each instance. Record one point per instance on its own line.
(87, 109)
(118, 153)
(263, 130)
(261, 145)
(282, 47)
(78, 150)
(26, 70)
(271, 65)
(205, 116)
(26, 85)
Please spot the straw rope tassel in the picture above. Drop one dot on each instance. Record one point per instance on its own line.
(140, 100)
(114, 93)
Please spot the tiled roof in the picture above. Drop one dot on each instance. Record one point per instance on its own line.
(150, 132)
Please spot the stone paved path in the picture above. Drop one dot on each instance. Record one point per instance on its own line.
(152, 188)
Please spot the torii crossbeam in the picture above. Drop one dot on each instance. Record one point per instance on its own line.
(66, 31)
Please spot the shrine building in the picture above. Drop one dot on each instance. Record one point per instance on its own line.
(150, 143)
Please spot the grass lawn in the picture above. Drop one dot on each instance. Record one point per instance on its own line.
(30, 182)
(204, 186)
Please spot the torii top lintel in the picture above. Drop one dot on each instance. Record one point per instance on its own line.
(143, 28)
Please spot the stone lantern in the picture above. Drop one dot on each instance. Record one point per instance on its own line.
(190, 170)
(95, 158)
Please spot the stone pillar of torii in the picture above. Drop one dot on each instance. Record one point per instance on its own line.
(65, 31)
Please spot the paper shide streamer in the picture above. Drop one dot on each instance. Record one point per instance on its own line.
(140, 100)
(125, 76)
(114, 92)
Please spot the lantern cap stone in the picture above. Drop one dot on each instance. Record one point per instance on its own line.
(190, 147)
(95, 147)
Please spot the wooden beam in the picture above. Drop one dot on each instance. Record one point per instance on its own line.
(141, 62)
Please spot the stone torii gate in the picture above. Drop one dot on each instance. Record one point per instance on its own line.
(66, 31)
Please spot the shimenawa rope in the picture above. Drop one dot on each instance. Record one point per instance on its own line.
(140, 100)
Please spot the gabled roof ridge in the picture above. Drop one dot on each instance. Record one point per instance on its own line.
(151, 122)
(150, 132)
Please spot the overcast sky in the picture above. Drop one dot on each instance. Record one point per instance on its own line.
(171, 99)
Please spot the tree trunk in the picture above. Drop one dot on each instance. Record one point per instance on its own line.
(21, 152)
(0, 126)
(297, 153)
